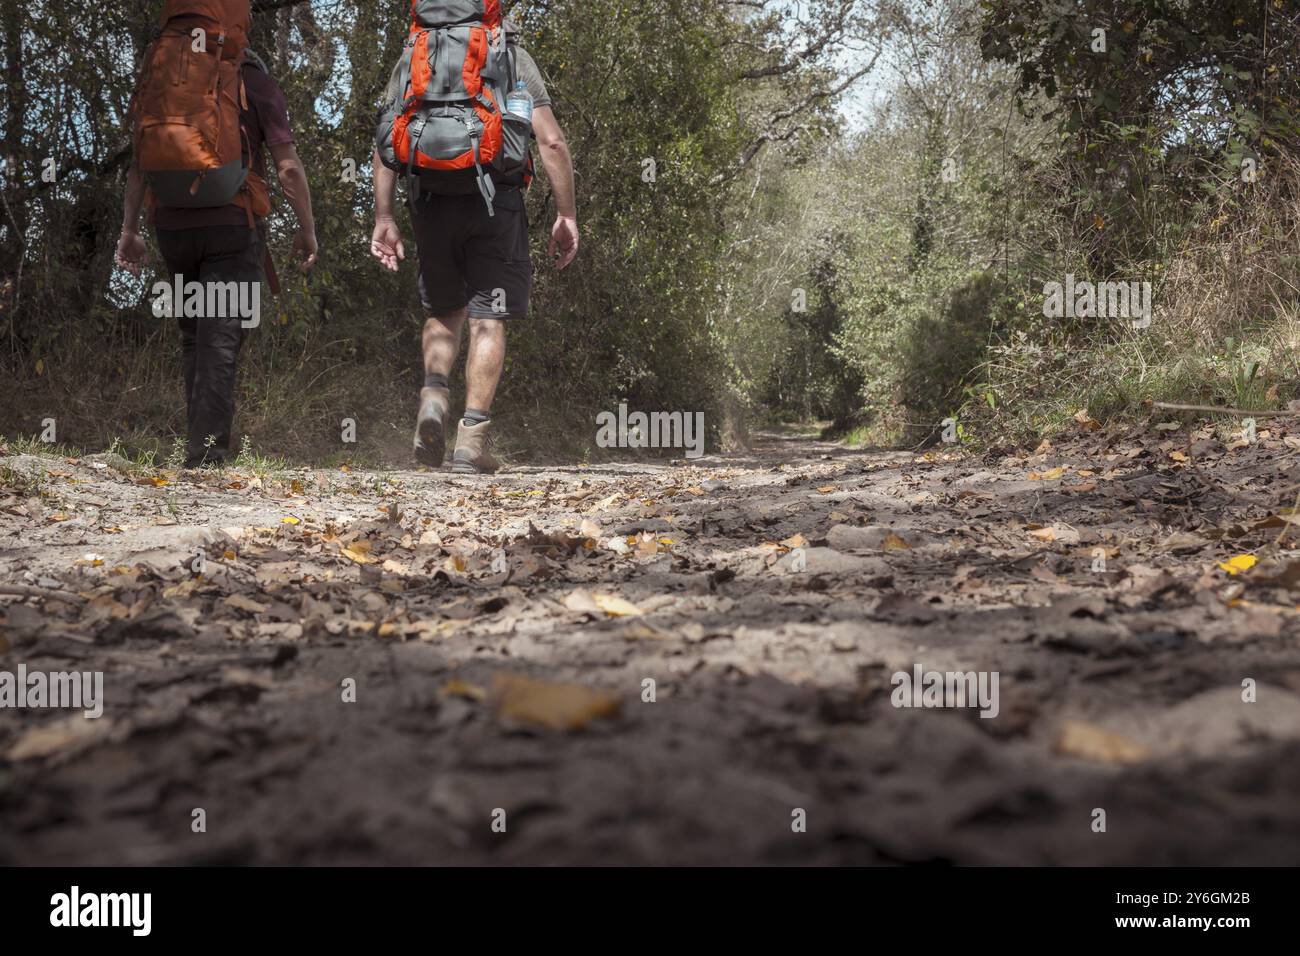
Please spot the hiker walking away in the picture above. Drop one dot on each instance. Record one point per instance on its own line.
(463, 102)
(203, 111)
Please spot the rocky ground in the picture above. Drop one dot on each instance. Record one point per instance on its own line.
(664, 663)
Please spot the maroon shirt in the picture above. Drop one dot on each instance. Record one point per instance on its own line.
(266, 122)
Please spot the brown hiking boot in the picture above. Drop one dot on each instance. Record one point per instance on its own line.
(471, 456)
(430, 427)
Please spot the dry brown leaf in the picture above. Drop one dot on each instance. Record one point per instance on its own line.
(615, 606)
(358, 551)
(1080, 488)
(893, 542)
(581, 600)
(558, 706)
(52, 737)
(1090, 742)
(1086, 421)
(243, 604)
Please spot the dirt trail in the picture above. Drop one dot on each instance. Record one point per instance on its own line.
(770, 598)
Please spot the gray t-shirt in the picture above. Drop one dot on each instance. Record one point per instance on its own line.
(532, 77)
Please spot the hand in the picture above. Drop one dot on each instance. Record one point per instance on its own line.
(132, 253)
(386, 244)
(564, 240)
(304, 249)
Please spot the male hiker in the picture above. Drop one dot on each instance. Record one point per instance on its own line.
(204, 109)
(455, 126)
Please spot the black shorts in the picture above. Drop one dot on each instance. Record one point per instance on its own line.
(468, 258)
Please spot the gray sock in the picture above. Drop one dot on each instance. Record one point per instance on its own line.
(475, 416)
(435, 380)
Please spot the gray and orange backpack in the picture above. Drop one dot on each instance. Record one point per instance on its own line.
(446, 128)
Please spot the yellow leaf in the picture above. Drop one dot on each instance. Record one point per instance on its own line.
(554, 705)
(893, 542)
(1050, 475)
(40, 366)
(358, 551)
(615, 606)
(1079, 739)
(1177, 456)
(827, 489)
(1242, 562)
(290, 520)
(459, 688)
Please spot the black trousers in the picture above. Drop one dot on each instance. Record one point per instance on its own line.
(210, 346)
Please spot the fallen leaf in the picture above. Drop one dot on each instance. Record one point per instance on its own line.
(1086, 421)
(1239, 563)
(1090, 742)
(239, 602)
(893, 542)
(558, 706)
(615, 606)
(50, 738)
(459, 688)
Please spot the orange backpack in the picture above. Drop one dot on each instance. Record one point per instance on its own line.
(190, 143)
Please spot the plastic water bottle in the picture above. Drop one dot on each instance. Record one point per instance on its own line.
(520, 101)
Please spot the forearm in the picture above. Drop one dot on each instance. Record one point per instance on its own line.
(293, 180)
(134, 200)
(385, 181)
(559, 173)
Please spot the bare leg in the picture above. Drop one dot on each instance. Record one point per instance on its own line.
(487, 356)
(441, 341)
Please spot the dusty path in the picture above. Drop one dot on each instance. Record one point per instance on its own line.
(769, 598)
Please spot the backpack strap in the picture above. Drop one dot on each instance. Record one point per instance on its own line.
(486, 187)
(412, 142)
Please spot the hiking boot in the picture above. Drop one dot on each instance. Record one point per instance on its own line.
(471, 456)
(430, 430)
